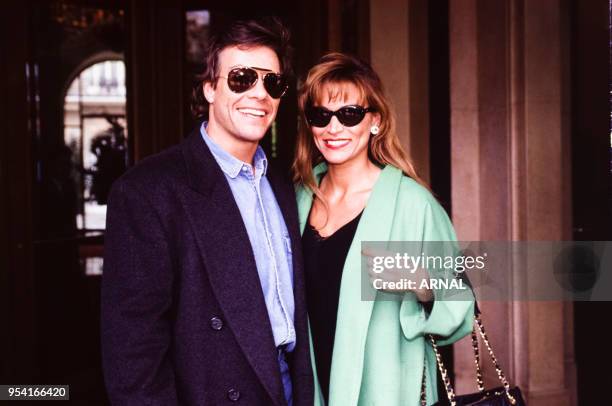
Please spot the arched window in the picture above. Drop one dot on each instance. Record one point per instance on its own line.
(95, 130)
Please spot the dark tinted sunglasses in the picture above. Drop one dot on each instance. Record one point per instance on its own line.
(243, 78)
(348, 116)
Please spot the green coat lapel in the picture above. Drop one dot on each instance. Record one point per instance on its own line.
(353, 312)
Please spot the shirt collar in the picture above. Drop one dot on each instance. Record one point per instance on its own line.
(261, 161)
(231, 165)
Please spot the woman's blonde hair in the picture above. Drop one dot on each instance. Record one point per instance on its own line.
(338, 70)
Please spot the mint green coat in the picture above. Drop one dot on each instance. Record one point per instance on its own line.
(379, 348)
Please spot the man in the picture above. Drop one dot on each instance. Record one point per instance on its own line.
(203, 293)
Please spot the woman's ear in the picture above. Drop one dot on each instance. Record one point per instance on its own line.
(375, 125)
(209, 92)
(376, 119)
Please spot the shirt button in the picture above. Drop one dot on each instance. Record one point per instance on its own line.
(233, 395)
(245, 168)
(216, 323)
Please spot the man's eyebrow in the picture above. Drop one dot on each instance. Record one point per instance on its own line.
(252, 67)
(264, 69)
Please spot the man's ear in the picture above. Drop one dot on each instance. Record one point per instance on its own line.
(209, 92)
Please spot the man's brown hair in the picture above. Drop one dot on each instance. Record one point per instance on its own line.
(268, 31)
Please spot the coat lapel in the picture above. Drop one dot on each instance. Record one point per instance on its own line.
(230, 264)
(353, 312)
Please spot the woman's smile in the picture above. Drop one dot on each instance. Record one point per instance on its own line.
(336, 143)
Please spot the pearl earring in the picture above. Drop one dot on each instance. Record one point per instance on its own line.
(374, 129)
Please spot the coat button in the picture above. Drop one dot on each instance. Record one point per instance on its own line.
(216, 323)
(233, 395)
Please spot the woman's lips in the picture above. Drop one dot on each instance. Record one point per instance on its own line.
(336, 143)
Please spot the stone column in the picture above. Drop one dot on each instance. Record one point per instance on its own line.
(547, 190)
(399, 53)
(465, 147)
(509, 132)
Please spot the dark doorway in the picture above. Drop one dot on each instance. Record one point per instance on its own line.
(64, 65)
(74, 82)
(591, 67)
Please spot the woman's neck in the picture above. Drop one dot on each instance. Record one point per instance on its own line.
(349, 177)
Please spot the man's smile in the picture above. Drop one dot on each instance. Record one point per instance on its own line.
(252, 112)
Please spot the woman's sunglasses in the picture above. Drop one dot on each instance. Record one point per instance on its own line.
(243, 78)
(348, 116)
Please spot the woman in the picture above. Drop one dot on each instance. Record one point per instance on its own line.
(364, 188)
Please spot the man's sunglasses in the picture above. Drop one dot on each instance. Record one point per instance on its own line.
(243, 78)
(348, 116)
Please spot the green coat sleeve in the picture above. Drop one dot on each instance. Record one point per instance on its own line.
(452, 314)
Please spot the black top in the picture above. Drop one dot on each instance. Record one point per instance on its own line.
(323, 262)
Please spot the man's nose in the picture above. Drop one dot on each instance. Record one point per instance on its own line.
(258, 91)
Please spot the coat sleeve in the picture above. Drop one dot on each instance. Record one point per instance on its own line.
(452, 314)
(136, 301)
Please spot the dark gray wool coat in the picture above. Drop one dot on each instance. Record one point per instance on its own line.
(183, 313)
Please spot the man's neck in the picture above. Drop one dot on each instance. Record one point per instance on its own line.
(240, 149)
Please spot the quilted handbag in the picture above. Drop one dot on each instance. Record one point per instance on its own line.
(501, 396)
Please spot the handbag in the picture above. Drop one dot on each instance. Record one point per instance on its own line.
(501, 396)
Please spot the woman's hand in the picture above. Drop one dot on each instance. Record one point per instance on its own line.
(395, 280)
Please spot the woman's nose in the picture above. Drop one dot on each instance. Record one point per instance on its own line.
(335, 126)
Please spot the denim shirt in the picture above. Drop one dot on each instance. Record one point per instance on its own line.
(268, 235)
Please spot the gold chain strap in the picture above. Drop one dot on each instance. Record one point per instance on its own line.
(450, 392)
(500, 373)
(423, 389)
(479, 380)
